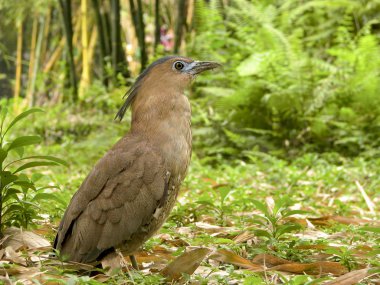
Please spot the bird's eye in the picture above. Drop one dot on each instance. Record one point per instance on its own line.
(179, 65)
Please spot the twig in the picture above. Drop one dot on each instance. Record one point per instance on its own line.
(370, 204)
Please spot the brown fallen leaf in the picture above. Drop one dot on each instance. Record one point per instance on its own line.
(18, 238)
(112, 263)
(176, 242)
(314, 268)
(350, 278)
(326, 220)
(243, 237)
(314, 246)
(14, 269)
(269, 260)
(13, 256)
(186, 263)
(155, 256)
(213, 228)
(232, 258)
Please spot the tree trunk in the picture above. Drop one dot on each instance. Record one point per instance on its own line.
(137, 17)
(181, 20)
(141, 36)
(18, 63)
(102, 41)
(119, 62)
(65, 6)
(157, 28)
(85, 79)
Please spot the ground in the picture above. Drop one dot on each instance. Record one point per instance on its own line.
(265, 220)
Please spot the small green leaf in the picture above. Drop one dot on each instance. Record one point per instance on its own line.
(24, 141)
(254, 64)
(294, 212)
(36, 177)
(19, 151)
(22, 116)
(3, 155)
(224, 192)
(35, 164)
(47, 196)
(6, 178)
(10, 193)
(283, 229)
(371, 229)
(25, 184)
(262, 233)
(261, 207)
(3, 112)
(48, 157)
(222, 241)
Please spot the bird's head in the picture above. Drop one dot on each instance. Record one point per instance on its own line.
(171, 73)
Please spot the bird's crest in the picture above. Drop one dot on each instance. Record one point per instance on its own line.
(132, 92)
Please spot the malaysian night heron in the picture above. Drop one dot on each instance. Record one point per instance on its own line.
(130, 192)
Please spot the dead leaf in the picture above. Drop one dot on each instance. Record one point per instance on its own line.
(112, 263)
(186, 263)
(314, 246)
(13, 256)
(368, 201)
(214, 229)
(350, 278)
(269, 260)
(232, 258)
(243, 237)
(177, 242)
(326, 220)
(155, 256)
(314, 268)
(18, 238)
(10, 271)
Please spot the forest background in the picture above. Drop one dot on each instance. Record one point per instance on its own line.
(284, 182)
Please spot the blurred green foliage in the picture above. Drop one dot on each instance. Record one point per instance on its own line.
(300, 76)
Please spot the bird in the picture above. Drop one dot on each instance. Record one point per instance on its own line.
(131, 190)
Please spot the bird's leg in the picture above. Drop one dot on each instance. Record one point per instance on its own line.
(134, 262)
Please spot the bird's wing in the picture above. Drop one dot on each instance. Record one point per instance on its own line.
(118, 197)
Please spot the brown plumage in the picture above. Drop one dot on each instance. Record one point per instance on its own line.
(131, 190)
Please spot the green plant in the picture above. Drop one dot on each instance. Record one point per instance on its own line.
(345, 256)
(294, 75)
(273, 219)
(218, 206)
(19, 195)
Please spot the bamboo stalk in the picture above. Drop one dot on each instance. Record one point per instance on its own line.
(33, 43)
(30, 98)
(46, 35)
(18, 64)
(54, 57)
(91, 48)
(85, 79)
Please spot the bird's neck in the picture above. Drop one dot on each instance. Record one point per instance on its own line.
(165, 122)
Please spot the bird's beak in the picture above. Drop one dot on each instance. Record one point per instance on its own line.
(199, 66)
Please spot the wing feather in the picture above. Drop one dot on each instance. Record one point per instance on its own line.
(118, 197)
